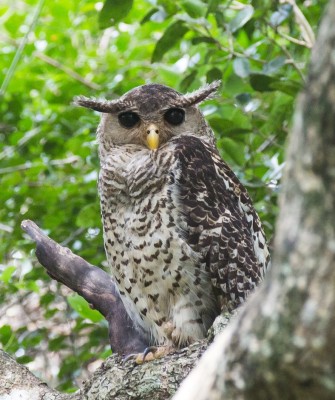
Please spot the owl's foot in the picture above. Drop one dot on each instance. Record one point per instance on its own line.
(150, 354)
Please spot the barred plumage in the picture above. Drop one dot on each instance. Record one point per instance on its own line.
(182, 238)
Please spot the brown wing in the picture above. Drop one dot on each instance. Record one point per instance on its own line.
(218, 220)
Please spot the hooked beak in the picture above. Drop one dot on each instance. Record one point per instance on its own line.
(152, 137)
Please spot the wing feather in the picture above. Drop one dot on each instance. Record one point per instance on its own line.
(218, 220)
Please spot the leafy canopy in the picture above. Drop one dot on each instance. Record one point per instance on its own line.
(53, 51)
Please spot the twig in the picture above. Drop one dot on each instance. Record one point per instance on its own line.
(22, 45)
(55, 63)
(29, 165)
(73, 235)
(231, 50)
(6, 228)
(290, 59)
(73, 74)
(9, 151)
(294, 40)
(306, 29)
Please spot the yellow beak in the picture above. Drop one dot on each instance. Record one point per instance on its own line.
(152, 137)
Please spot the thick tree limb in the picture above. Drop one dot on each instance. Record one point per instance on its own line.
(17, 382)
(94, 284)
(282, 344)
(155, 380)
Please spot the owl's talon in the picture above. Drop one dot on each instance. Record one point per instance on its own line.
(151, 353)
(148, 350)
(130, 357)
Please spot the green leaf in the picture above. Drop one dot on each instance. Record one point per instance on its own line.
(214, 74)
(241, 67)
(47, 298)
(8, 339)
(33, 338)
(241, 18)
(262, 82)
(57, 343)
(69, 364)
(80, 305)
(203, 39)
(194, 8)
(187, 81)
(5, 334)
(243, 98)
(213, 6)
(171, 37)
(113, 12)
(274, 65)
(87, 216)
(233, 149)
(7, 273)
(31, 286)
(248, 103)
(219, 17)
(236, 131)
(106, 353)
(287, 86)
(226, 127)
(24, 359)
(148, 16)
(266, 83)
(281, 15)
(171, 7)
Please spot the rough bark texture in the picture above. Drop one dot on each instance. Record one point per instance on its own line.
(156, 380)
(281, 346)
(16, 382)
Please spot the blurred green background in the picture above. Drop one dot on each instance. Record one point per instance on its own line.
(53, 51)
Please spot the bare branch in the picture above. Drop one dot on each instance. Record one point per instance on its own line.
(156, 380)
(73, 74)
(94, 284)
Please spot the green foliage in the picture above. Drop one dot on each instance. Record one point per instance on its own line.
(48, 156)
(113, 12)
(83, 309)
(169, 39)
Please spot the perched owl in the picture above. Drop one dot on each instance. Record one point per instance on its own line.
(182, 238)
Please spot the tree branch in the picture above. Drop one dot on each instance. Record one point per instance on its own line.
(115, 379)
(73, 74)
(17, 382)
(92, 283)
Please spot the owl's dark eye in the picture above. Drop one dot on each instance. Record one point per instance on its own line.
(174, 116)
(128, 119)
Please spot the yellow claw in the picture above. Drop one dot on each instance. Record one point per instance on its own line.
(152, 137)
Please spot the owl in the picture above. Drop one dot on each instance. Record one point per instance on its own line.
(182, 238)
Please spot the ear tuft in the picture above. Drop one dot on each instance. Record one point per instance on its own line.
(101, 105)
(206, 92)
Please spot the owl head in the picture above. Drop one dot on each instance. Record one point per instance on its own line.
(150, 115)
